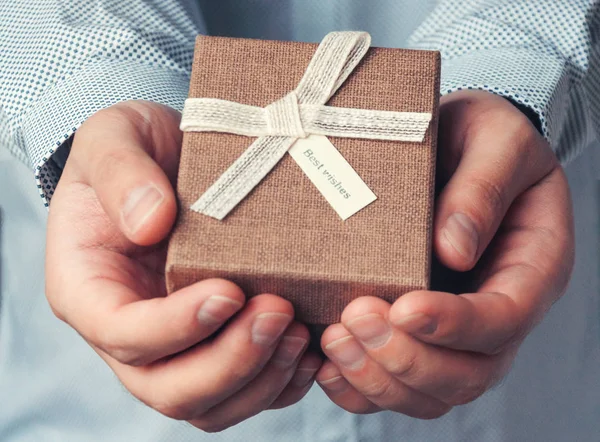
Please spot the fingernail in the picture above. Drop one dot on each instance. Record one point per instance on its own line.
(460, 232)
(347, 352)
(217, 309)
(141, 203)
(418, 323)
(336, 384)
(371, 329)
(288, 350)
(268, 327)
(303, 376)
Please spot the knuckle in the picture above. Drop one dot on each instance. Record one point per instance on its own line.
(241, 372)
(404, 366)
(87, 144)
(516, 332)
(57, 313)
(175, 411)
(449, 333)
(118, 350)
(561, 258)
(245, 365)
(475, 385)
(167, 401)
(54, 304)
(109, 161)
(127, 356)
(509, 120)
(267, 396)
(270, 395)
(490, 198)
(54, 299)
(524, 134)
(297, 395)
(379, 388)
(272, 387)
(210, 427)
(360, 407)
(565, 239)
(503, 345)
(516, 322)
(115, 114)
(85, 133)
(468, 393)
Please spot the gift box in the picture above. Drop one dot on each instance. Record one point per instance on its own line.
(284, 237)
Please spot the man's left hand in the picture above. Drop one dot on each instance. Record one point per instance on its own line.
(504, 218)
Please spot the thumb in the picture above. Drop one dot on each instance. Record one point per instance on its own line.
(500, 154)
(126, 154)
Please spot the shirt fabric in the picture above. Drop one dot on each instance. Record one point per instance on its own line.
(61, 61)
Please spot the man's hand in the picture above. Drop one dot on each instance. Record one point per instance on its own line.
(106, 252)
(504, 215)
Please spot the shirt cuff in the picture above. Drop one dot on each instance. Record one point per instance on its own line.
(52, 120)
(524, 77)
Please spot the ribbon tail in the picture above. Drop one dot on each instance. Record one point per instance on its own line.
(242, 176)
(364, 123)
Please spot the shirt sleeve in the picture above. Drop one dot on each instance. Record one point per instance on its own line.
(543, 55)
(61, 61)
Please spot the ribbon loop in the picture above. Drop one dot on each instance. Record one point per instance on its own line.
(335, 59)
(300, 113)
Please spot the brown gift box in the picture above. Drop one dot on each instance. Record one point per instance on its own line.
(284, 238)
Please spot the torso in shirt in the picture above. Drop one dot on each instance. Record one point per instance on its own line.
(390, 22)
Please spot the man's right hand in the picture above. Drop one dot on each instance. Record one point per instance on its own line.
(111, 212)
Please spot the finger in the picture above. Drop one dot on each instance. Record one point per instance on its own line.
(373, 381)
(192, 382)
(301, 382)
(341, 392)
(263, 390)
(527, 269)
(451, 376)
(124, 153)
(479, 322)
(139, 331)
(499, 160)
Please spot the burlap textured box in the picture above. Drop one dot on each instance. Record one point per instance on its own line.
(284, 238)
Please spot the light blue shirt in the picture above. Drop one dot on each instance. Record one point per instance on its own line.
(62, 61)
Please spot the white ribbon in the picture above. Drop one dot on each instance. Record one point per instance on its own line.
(300, 113)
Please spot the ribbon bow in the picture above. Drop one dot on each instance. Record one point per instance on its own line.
(300, 113)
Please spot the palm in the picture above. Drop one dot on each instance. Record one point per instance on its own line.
(105, 252)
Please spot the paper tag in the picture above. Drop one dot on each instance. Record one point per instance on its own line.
(333, 176)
